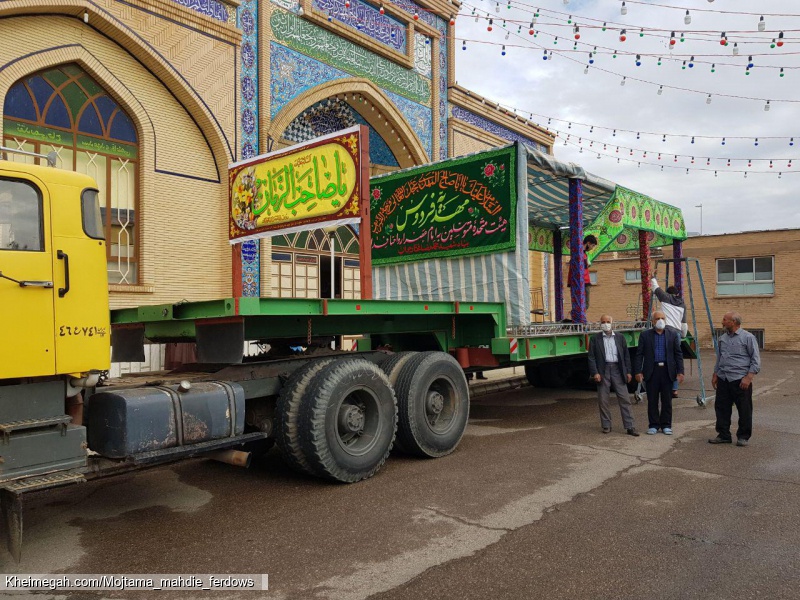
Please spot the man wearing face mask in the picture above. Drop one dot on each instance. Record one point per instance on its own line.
(674, 311)
(659, 362)
(610, 368)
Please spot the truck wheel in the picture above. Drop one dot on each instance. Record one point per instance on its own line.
(433, 404)
(286, 412)
(348, 419)
(533, 374)
(392, 367)
(554, 374)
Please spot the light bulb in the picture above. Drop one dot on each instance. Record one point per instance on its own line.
(660, 90)
(708, 100)
(688, 18)
(86, 16)
(586, 70)
(762, 25)
(736, 48)
(766, 106)
(623, 81)
(623, 10)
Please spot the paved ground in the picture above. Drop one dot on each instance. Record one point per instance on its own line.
(535, 503)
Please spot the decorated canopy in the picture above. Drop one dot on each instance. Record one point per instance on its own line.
(612, 213)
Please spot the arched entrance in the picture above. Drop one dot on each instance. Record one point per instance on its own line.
(64, 110)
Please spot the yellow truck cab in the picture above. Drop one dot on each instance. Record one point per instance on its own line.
(54, 317)
(53, 281)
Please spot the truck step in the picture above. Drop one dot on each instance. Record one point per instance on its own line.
(7, 428)
(30, 484)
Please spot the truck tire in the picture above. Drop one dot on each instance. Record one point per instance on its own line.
(533, 374)
(392, 367)
(347, 421)
(433, 404)
(287, 410)
(554, 374)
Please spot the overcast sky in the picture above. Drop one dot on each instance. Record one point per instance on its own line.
(559, 88)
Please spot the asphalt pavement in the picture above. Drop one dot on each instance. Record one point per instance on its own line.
(535, 503)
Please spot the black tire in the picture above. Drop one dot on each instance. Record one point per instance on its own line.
(287, 409)
(348, 420)
(554, 374)
(533, 374)
(392, 367)
(433, 404)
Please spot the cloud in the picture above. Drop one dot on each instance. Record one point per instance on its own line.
(559, 88)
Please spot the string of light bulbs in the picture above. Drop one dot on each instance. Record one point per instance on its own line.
(660, 87)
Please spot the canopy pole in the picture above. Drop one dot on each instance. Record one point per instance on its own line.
(644, 267)
(558, 274)
(576, 259)
(677, 256)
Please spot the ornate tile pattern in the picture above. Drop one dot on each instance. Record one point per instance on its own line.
(441, 25)
(333, 115)
(248, 80)
(492, 127)
(419, 117)
(294, 73)
(210, 8)
(322, 45)
(367, 19)
(422, 55)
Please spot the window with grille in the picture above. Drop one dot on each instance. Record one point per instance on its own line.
(746, 276)
(63, 110)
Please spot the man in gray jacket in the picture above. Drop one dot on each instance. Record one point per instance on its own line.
(610, 367)
(674, 311)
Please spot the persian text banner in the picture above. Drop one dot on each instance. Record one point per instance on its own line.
(453, 208)
(303, 187)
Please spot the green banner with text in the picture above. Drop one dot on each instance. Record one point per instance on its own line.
(453, 208)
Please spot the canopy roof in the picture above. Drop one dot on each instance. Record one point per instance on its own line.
(612, 213)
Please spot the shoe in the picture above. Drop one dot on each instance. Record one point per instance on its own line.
(674, 393)
(652, 431)
(481, 377)
(632, 431)
(606, 429)
(719, 440)
(667, 430)
(742, 442)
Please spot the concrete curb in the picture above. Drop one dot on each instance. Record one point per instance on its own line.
(500, 385)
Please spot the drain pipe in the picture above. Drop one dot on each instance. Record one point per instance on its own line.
(237, 458)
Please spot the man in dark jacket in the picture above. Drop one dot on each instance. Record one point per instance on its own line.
(675, 313)
(610, 368)
(659, 362)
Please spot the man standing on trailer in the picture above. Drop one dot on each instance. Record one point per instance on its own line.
(659, 362)
(610, 368)
(674, 310)
(738, 361)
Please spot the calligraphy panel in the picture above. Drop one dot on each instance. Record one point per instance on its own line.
(452, 208)
(302, 187)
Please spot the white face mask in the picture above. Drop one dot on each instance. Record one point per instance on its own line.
(660, 324)
(605, 326)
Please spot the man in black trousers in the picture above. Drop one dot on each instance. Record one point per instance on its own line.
(659, 362)
(610, 368)
(738, 361)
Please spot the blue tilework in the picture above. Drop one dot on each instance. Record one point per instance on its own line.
(210, 8)
(248, 17)
(368, 20)
(492, 127)
(293, 73)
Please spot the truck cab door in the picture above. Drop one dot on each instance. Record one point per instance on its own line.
(82, 329)
(26, 306)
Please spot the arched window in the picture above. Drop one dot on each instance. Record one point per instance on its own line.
(63, 110)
